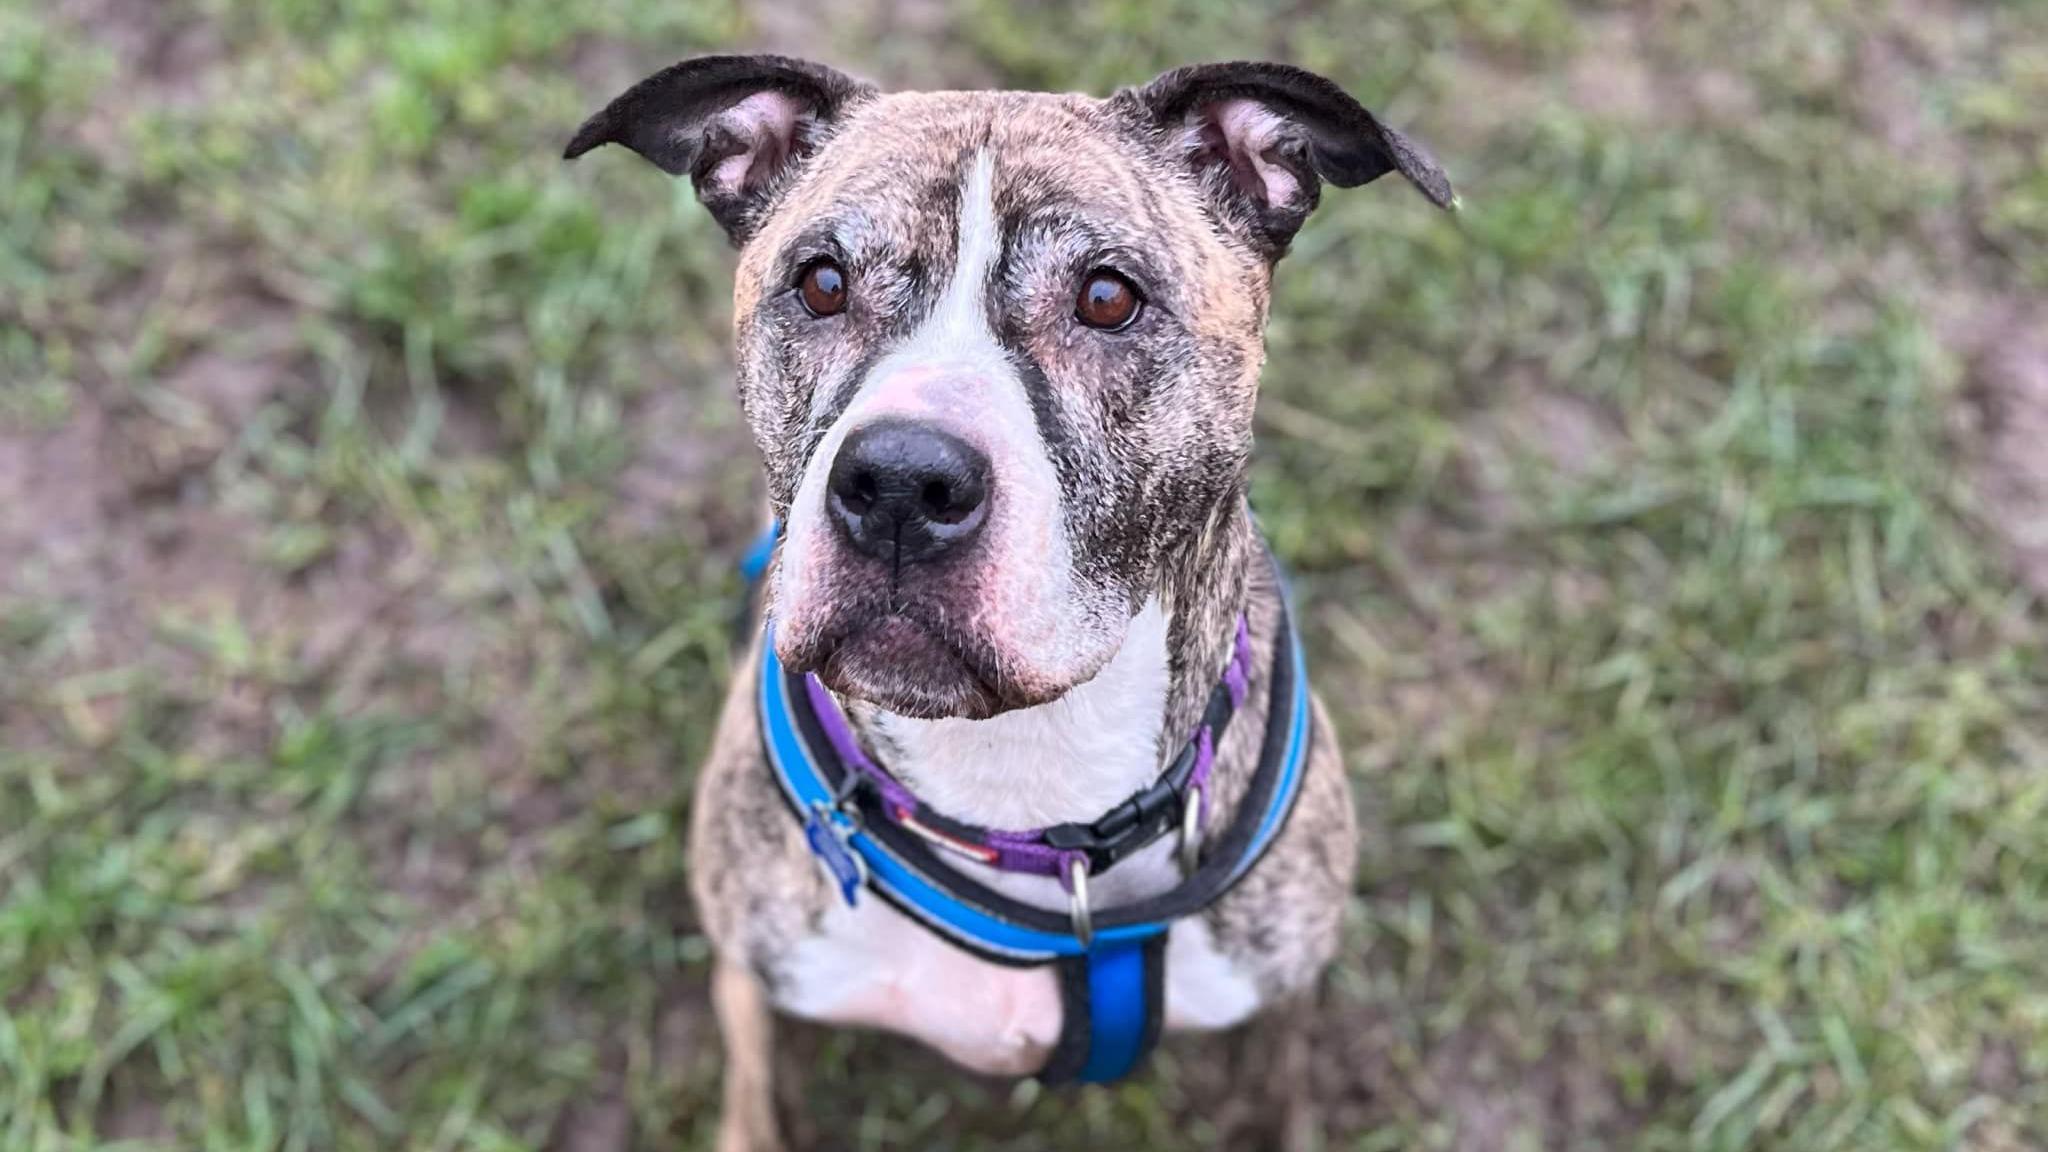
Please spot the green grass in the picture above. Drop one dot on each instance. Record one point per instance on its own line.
(377, 492)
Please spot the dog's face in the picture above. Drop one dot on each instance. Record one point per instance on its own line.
(999, 349)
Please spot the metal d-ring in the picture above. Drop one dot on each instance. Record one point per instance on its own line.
(1191, 831)
(844, 797)
(1077, 899)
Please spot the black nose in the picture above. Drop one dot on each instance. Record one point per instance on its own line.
(906, 492)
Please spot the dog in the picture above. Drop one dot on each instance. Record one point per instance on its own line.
(1021, 763)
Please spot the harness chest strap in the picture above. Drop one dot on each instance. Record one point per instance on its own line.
(1112, 1006)
(1111, 967)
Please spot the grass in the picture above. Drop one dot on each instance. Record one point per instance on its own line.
(375, 492)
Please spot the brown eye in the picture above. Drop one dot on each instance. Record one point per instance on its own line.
(823, 289)
(1107, 301)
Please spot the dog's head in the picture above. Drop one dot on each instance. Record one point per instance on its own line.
(999, 349)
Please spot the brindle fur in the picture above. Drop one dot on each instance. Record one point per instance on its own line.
(1150, 436)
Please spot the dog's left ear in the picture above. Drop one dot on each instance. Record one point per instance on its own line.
(1263, 137)
(733, 124)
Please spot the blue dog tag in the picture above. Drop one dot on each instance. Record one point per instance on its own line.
(830, 835)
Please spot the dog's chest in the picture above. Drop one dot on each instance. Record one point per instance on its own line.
(872, 966)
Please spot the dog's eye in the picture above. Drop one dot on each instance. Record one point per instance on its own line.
(1107, 301)
(822, 288)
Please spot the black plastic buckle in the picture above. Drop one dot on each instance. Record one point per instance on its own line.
(1125, 828)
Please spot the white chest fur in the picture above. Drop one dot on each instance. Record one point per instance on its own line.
(1073, 759)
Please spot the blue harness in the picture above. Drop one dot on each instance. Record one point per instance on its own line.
(1110, 962)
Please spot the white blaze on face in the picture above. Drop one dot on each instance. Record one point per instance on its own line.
(954, 374)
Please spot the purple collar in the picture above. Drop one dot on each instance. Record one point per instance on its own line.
(1177, 801)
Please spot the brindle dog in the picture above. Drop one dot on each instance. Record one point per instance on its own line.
(1000, 351)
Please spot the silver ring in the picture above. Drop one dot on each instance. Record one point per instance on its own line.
(842, 802)
(1191, 832)
(1077, 900)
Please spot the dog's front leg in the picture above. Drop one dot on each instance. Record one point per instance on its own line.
(1273, 1105)
(1290, 1104)
(747, 1123)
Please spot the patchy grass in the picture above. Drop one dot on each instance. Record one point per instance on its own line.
(369, 494)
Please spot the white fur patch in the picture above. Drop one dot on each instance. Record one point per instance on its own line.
(1204, 990)
(871, 966)
(959, 325)
(1071, 759)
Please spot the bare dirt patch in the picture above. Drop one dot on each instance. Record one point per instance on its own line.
(1618, 75)
(908, 43)
(602, 1123)
(2006, 424)
(1535, 421)
(163, 54)
(685, 443)
(50, 517)
(127, 1116)
(1470, 1081)
(1611, 76)
(155, 41)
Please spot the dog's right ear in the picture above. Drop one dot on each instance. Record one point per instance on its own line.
(733, 124)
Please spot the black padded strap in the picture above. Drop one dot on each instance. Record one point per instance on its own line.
(1070, 1058)
(1076, 1031)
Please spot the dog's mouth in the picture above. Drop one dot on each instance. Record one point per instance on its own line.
(904, 663)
